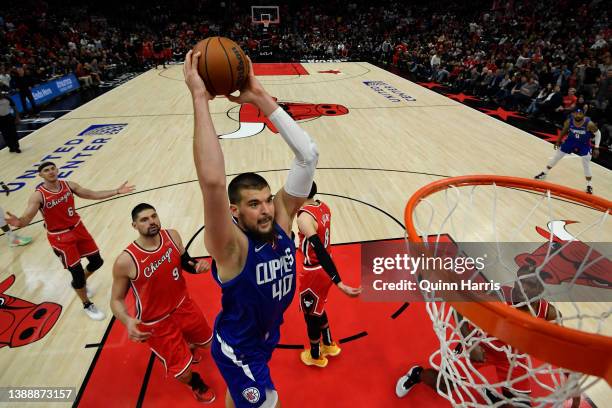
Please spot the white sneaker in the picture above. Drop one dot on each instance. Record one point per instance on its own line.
(93, 312)
(19, 241)
(90, 292)
(406, 382)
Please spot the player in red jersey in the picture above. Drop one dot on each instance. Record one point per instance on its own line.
(66, 233)
(316, 275)
(493, 354)
(166, 318)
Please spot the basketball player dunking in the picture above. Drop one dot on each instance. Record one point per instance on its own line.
(494, 355)
(166, 318)
(579, 130)
(249, 238)
(66, 233)
(317, 274)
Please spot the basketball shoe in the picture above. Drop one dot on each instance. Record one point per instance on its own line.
(331, 350)
(406, 382)
(309, 361)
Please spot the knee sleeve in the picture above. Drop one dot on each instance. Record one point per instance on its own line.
(95, 262)
(78, 276)
(313, 326)
(586, 165)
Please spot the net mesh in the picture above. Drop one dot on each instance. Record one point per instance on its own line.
(489, 214)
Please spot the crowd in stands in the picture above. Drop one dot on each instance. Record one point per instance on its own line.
(543, 58)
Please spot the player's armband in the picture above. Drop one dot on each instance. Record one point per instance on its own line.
(324, 259)
(188, 263)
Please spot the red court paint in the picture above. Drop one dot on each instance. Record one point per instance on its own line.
(292, 68)
(363, 375)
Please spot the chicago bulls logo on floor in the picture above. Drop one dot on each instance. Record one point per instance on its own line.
(253, 121)
(23, 322)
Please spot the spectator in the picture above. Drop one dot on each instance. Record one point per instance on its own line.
(5, 77)
(435, 65)
(23, 83)
(553, 101)
(569, 103)
(536, 103)
(83, 75)
(591, 76)
(9, 117)
(526, 92)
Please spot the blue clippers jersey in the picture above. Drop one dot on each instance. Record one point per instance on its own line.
(253, 302)
(580, 134)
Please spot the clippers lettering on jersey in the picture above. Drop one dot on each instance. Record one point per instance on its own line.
(278, 271)
(153, 266)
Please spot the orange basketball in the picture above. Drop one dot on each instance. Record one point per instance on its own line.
(223, 65)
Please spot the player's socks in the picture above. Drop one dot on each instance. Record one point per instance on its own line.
(326, 335)
(315, 350)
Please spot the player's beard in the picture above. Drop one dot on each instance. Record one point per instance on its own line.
(152, 231)
(260, 234)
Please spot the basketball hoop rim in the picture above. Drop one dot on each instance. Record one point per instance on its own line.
(565, 347)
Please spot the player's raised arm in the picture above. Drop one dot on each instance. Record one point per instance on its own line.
(220, 236)
(290, 198)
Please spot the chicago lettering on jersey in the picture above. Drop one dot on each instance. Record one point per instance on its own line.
(64, 198)
(150, 270)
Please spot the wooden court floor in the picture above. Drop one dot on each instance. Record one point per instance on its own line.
(380, 138)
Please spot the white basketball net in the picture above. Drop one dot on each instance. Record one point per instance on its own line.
(460, 378)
